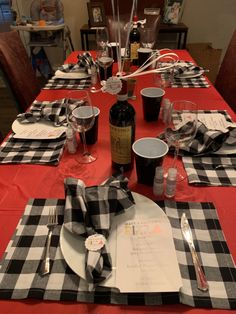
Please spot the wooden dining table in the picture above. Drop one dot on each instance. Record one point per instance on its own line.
(21, 182)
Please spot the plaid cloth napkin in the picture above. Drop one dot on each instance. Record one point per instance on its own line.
(32, 151)
(206, 164)
(19, 277)
(195, 82)
(89, 212)
(65, 76)
(50, 111)
(205, 141)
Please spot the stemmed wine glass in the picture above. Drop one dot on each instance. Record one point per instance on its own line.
(181, 128)
(105, 58)
(81, 117)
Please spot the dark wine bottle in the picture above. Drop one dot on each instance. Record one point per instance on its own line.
(134, 40)
(122, 131)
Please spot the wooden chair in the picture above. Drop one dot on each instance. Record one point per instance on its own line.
(226, 78)
(17, 70)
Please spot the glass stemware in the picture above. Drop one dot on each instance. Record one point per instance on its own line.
(81, 117)
(102, 37)
(105, 58)
(181, 128)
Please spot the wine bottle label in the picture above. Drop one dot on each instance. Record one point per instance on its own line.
(134, 50)
(121, 144)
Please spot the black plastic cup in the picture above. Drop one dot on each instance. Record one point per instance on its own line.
(143, 55)
(91, 136)
(149, 153)
(152, 98)
(102, 72)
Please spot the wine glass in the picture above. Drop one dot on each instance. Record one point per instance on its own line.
(105, 59)
(81, 117)
(181, 128)
(102, 37)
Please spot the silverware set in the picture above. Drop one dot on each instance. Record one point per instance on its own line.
(52, 223)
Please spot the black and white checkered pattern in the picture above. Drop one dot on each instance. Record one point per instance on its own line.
(216, 170)
(54, 111)
(90, 210)
(55, 83)
(85, 61)
(207, 141)
(197, 82)
(32, 151)
(206, 168)
(19, 276)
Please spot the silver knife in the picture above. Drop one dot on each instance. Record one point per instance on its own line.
(202, 283)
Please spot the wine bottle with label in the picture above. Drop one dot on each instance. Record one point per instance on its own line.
(122, 131)
(134, 40)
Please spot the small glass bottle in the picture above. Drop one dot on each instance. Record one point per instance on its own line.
(171, 182)
(71, 141)
(94, 76)
(158, 182)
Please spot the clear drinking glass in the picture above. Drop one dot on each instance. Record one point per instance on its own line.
(105, 58)
(81, 117)
(147, 37)
(102, 37)
(181, 128)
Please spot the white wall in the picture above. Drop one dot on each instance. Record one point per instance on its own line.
(212, 21)
(208, 20)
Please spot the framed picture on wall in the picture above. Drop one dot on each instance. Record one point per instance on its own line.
(96, 13)
(173, 11)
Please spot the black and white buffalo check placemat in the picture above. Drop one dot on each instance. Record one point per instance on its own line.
(194, 82)
(55, 83)
(32, 151)
(216, 169)
(20, 265)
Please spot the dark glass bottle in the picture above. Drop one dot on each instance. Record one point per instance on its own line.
(134, 41)
(122, 131)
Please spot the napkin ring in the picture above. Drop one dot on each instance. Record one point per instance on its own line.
(95, 242)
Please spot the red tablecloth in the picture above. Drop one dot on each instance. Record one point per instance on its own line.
(18, 183)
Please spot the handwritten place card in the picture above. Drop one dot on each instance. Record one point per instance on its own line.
(146, 258)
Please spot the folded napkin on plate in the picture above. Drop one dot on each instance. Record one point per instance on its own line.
(23, 151)
(207, 141)
(187, 68)
(54, 111)
(76, 71)
(88, 213)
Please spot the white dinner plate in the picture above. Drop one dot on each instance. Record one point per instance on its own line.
(37, 131)
(70, 75)
(189, 74)
(72, 245)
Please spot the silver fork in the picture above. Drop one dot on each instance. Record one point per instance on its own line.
(52, 223)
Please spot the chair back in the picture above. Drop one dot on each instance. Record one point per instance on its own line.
(17, 70)
(226, 78)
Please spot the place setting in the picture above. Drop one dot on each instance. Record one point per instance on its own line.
(74, 76)
(204, 139)
(38, 136)
(93, 226)
(184, 74)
